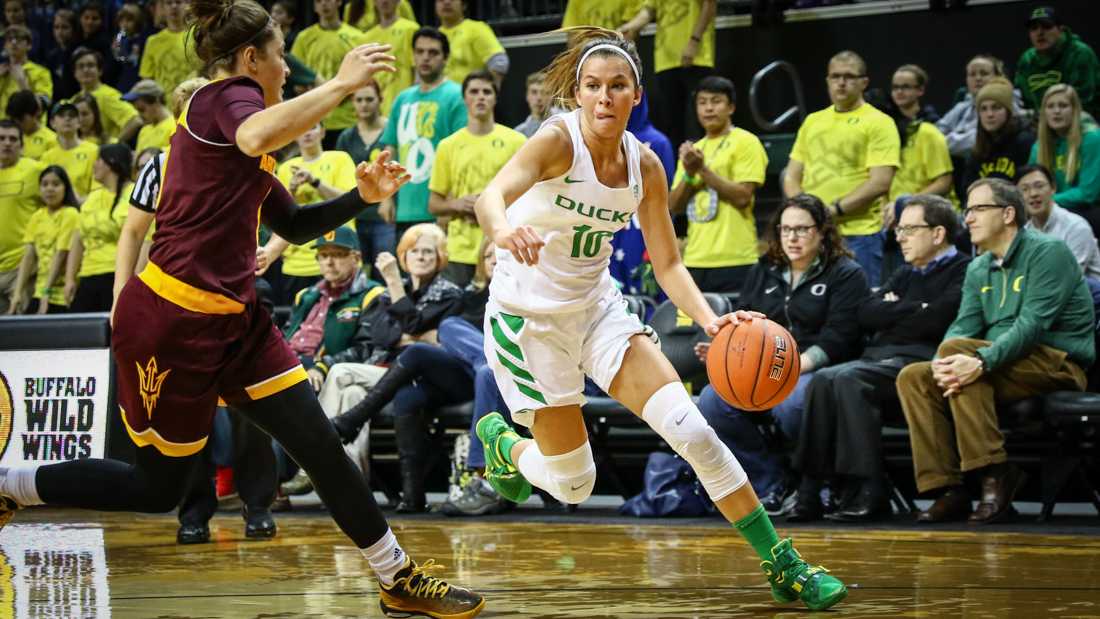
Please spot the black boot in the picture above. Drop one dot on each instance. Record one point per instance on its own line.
(411, 435)
(870, 503)
(807, 505)
(352, 421)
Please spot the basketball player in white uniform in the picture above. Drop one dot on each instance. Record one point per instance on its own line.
(554, 315)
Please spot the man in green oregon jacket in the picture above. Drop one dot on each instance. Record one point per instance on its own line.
(1025, 327)
(1056, 56)
(326, 315)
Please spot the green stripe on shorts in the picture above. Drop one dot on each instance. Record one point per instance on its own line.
(517, 371)
(529, 392)
(509, 346)
(515, 323)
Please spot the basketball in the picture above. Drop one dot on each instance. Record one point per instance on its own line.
(753, 365)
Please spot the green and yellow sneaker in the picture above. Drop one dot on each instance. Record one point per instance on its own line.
(415, 593)
(498, 437)
(792, 579)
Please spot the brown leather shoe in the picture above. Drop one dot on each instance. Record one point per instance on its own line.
(997, 494)
(951, 506)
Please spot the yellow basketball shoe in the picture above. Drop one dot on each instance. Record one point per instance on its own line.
(416, 594)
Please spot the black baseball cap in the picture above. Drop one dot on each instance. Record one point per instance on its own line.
(1043, 14)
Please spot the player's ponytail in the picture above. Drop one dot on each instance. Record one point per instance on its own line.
(222, 27)
(561, 74)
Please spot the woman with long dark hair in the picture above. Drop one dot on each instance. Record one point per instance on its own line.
(188, 330)
(1003, 142)
(47, 238)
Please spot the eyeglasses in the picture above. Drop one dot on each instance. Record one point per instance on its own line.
(800, 232)
(844, 77)
(906, 231)
(981, 208)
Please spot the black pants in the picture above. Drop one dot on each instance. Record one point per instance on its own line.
(292, 285)
(720, 279)
(155, 483)
(842, 418)
(458, 273)
(253, 472)
(94, 293)
(673, 109)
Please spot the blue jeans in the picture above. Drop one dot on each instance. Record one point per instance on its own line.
(375, 237)
(741, 434)
(868, 251)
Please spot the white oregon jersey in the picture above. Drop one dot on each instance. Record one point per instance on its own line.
(576, 216)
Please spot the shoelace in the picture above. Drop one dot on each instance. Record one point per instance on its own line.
(420, 584)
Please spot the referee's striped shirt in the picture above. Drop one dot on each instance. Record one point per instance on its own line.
(147, 187)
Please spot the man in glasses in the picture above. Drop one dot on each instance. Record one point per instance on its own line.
(1036, 184)
(1025, 327)
(1056, 56)
(841, 435)
(846, 155)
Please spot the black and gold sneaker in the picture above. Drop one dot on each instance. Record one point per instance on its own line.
(416, 594)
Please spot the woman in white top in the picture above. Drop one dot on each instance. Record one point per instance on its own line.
(554, 314)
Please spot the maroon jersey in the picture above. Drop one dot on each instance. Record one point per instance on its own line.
(208, 213)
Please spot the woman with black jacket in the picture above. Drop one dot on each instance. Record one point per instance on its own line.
(1003, 142)
(809, 283)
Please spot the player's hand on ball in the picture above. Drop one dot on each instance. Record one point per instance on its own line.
(361, 63)
(380, 179)
(733, 318)
(523, 242)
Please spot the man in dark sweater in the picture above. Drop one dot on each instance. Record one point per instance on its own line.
(842, 422)
(1025, 327)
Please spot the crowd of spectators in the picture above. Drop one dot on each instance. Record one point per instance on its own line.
(893, 219)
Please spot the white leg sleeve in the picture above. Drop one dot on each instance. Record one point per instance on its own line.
(569, 477)
(675, 417)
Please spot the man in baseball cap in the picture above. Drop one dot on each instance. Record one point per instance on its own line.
(1056, 56)
(148, 98)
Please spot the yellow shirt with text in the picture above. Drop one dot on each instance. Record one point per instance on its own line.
(472, 45)
(923, 159)
(101, 219)
(719, 233)
(77, 161)
(18, 202)
(334, 168)
(464, 165)
(113, 111)
(323, 51)
(37, 143)
(399, 35)
(169, 58)
(49, 233)
(675, 24)
(837, 151)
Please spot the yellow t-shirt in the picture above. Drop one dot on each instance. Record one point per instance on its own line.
(608, 14)
(924, 159)
(323, 51)
(156, 135)
(38, 77)
(113, 111)
(37, 143)
(675, 23)
(77, 162)
(472, 45)
(399, 35)
(464, 165)
(370, 18)
(18, 201)
(51, 233)
(101, 222)
(336, 169)
(719, 233)
(169, 58)
(838, 150)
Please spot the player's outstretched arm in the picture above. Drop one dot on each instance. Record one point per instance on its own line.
(280, 124)
(548, 154)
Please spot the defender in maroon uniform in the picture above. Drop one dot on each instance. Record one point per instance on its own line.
(188, 329)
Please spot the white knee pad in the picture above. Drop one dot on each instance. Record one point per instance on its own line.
(571, 476)
(675, 417)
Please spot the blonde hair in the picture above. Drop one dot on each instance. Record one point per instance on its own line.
(183, 93)
(561, 75)
(412, 237)
(482, 274)
(1048, 138)
(849, 56)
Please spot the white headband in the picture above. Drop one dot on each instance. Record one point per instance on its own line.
(614, 48)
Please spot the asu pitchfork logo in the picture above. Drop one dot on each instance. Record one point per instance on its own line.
(150, 382)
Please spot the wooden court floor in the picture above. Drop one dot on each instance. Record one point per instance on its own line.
(86, 564)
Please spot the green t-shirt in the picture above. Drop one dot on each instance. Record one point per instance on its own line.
(18, 201)
(419, 122)
(1084, 191)
(50, 233)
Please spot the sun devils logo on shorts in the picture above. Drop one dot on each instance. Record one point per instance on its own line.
(7, 414)
(150, 382)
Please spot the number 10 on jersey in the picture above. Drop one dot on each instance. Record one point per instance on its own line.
(588, 242)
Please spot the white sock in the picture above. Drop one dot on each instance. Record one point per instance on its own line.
(386, 557)
(532, 465)
(18, 483)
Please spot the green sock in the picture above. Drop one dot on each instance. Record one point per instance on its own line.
(758, 530)
(506, 441)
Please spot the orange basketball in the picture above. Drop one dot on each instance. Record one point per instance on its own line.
(754, 365)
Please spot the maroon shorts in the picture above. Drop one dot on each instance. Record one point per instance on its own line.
(175, 363)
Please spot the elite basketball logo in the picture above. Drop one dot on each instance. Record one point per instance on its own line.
(149, 383)
(7, 414)
(779, 358)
